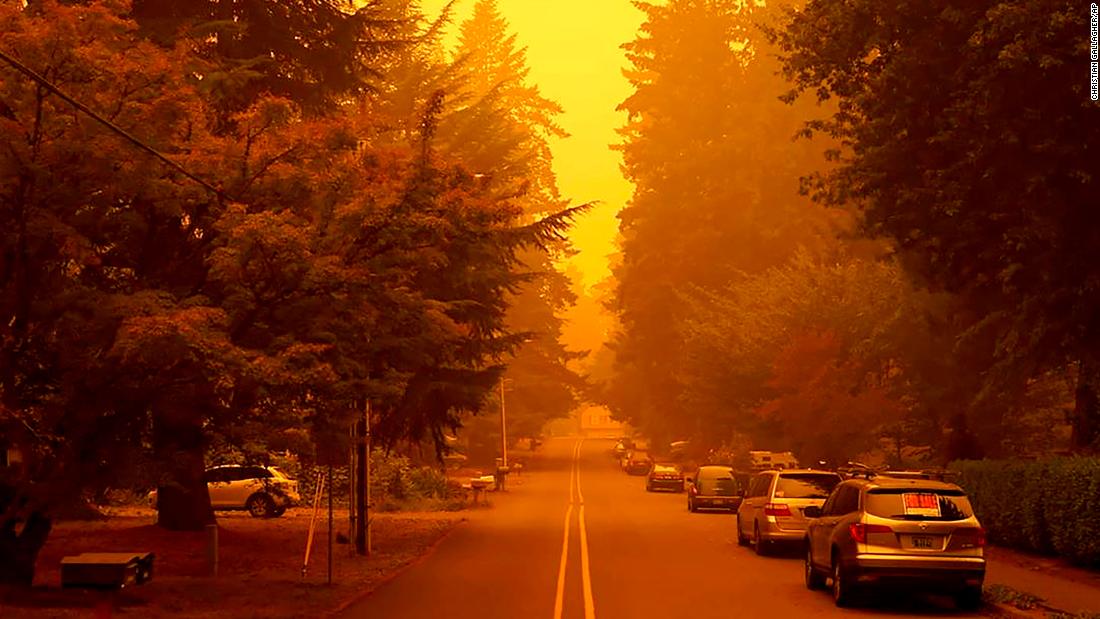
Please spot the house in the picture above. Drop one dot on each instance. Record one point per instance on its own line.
(596, 422)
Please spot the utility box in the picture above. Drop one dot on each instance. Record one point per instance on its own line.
(106, 570)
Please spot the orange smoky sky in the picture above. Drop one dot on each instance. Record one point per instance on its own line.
(573, 50)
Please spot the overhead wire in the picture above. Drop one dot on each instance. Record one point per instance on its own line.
(45, 83)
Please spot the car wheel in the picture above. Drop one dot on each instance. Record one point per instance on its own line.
(741, 539)
(814, 579)
(648, 488)
(260, 506)
(843, 591)
(969, 599)
(758, 544)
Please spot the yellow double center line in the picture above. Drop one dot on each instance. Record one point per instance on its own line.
(576, 497)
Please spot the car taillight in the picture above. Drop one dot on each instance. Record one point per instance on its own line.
(970, 536)
(777, 509)
(859, 530)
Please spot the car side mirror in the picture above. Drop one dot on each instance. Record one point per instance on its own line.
(812, 511)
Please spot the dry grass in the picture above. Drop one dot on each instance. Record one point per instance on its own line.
(260, 566)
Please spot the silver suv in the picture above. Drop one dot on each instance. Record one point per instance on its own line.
(885, 530)
(773, 508)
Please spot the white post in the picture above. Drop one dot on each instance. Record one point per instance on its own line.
(212, 549)
(352, 487)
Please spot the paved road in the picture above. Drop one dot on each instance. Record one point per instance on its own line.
(626, 554)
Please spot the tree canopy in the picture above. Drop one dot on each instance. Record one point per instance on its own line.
(146, 316)
(967, 132)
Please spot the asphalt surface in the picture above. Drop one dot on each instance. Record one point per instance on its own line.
(629, 554)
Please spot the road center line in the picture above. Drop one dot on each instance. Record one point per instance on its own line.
(589, 605)
(559, 595)
(586, 575)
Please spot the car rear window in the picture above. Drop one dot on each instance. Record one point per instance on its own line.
(918, 504)
(805, 485)
(664, 468)
(719, 486)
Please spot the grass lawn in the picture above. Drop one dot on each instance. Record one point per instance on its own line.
(260, 572)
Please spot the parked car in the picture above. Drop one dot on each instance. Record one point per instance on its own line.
(884, 531)
(772, 511)
(714, 487)
(665, 475)
(638, 463)
(264, 491)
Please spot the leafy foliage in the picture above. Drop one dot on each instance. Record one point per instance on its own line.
(966, 130)
(313, 52)
(1042, 505)
(144, 317)
(716, 178)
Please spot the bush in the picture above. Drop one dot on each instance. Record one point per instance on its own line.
(393, 481)
(1046, 506)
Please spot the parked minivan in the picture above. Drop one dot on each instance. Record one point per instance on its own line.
(714, 487)
(772, 511)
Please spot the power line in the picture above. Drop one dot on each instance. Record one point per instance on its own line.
(42, 81)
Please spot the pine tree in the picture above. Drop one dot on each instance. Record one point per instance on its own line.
(709, 149)
(501, 128)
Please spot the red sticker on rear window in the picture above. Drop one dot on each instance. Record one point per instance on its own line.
(921, 504)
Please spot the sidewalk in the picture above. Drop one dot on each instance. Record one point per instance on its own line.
(1059, 584)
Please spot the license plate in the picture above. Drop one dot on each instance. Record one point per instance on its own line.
(922, 541)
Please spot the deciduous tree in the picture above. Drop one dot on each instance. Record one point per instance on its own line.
(968, 129)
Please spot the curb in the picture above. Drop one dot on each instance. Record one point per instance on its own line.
(1041, 611)
(362, 595)
(996, 609)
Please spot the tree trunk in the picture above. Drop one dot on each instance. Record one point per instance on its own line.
(19, 550)
(1086, 409)
(183, 502)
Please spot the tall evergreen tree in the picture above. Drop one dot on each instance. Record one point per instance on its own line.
(501, 127)
(709, 149)
(316, 53)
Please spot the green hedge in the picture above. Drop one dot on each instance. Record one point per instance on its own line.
(1048, 506)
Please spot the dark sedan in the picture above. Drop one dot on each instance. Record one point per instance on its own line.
(665, 475)
(638, 463)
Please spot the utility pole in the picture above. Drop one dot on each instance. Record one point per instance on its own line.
(361, 482)
(503, 429)
(366, 479)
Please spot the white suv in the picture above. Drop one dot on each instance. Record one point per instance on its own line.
(264, 491)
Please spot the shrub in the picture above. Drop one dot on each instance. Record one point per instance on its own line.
(393, 481)
(1046, 506)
